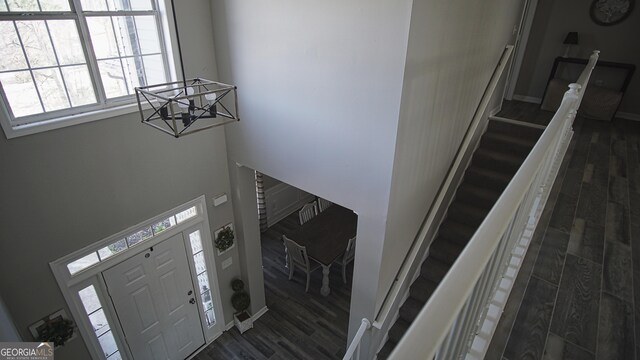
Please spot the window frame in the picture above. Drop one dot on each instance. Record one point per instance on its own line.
(103, 108)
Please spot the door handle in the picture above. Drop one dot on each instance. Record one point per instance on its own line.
(192, 301)
(190, 292)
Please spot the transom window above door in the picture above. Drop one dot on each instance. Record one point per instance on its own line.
(64, 57)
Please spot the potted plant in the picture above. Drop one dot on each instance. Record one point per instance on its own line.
(224, 239)
(240, 301)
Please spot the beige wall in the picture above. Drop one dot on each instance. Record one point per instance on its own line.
(64, 189)
(553, 19)
(449, 64)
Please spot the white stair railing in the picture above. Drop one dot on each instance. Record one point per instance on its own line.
(353, 352)
(446, 326)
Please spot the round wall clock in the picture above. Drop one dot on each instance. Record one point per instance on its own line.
(610, 12)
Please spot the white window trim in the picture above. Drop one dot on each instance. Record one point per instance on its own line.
(70, 284)
(124, 106)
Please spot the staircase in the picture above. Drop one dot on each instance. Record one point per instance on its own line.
(502, 150)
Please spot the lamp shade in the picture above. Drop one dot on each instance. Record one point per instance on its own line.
(571, 39)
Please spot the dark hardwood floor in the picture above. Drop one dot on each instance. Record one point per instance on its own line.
(577, 295)
(298, 325)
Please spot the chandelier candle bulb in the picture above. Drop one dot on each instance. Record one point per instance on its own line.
(211, 99)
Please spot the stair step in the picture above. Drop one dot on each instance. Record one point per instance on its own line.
(410, 309)
(487, 178)
(501, 161)
(422, 289)
(466, 213)
(477, 195)
(434, 270)
(398, 329)
(445, 250)
(386, 350)
(506, 142)
(524, 133)
(457, 232)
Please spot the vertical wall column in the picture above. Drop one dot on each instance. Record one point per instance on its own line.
(248, 231)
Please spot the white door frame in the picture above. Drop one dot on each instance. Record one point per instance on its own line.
(71, 284)
(524, 30)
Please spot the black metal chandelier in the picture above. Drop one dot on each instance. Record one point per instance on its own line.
(185, 107)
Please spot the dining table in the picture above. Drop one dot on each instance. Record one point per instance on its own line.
(326, 237)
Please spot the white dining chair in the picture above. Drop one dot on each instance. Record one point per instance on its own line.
(297, 255)
(347, 257)
(323, 204)
(308, 212)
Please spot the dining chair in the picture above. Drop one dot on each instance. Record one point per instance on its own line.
(347, 257)
(323, 204)
(308, 211)
(298, 257)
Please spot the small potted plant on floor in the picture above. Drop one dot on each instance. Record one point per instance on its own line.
(240, 301)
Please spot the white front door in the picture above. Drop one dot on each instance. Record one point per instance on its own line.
(154, 298)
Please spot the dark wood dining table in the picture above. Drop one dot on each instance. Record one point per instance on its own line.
(326, 237)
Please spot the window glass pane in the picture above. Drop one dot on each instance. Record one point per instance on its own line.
(21, 93)
(141, 235)
(37, 45)
(112, 78)
(112, 249)
(99, 322)
(187, 214)
(89, 299)
(66, 41)
(3, 6)
(108, 343)
(211, 318)
(203, 281)
(148, 34)
(79, 85)
(200, 264)
(154, 69)
(196, 243)
(207, 303)
(94, 5)
(83, 263)
(23, 5)
(133, 72)
(102, 37)
(11, 55)
(125, 29)
(115, 356)
(52, 90)
(164, 225)
(129, 4)
(54, 5)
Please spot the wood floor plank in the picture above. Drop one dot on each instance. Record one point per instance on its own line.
(563, 213)
(615, 338)
(558, 348)
(529, 332)
(551, 257)
(592, 203)
(575, 317)
(617, 270)
(617, 223)
(587, 240)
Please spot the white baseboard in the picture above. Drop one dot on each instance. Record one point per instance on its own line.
(529, 99)
(628, 116)
(259, 313)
